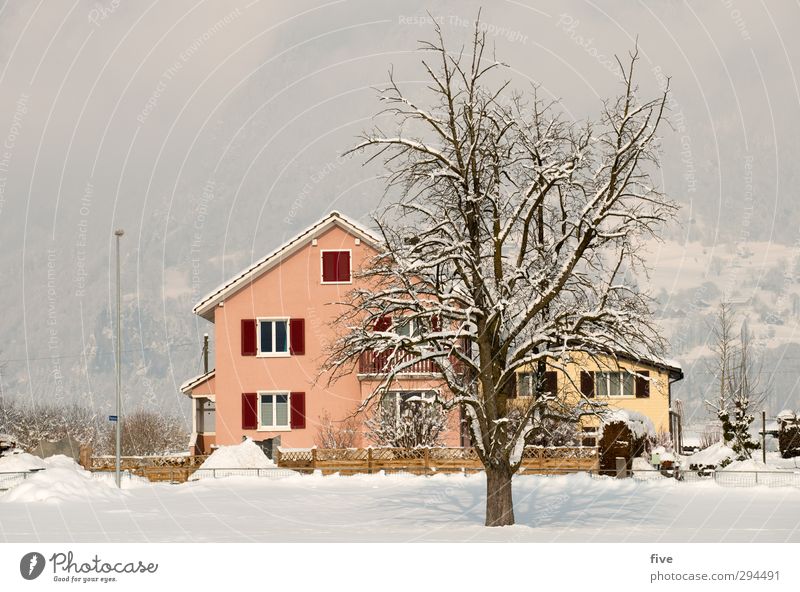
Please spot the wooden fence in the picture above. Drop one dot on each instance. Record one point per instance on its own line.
(175, 469)
(425, 461)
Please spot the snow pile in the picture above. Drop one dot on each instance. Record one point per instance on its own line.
(247, 455)
(20, 462)
(638, 423)
(663, 455)
(711, 456)
(750, 465)
(62, 480)
(641, 464)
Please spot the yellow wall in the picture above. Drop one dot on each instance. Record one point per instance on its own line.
(656, 407)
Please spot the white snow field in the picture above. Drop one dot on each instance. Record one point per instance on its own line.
(63, 504)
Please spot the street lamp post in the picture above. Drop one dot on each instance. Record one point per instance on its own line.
(118, 233)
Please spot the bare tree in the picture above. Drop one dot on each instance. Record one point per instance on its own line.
(741, 391)
(336, 434)
(511, 233)
(146, 432)
(33, 424)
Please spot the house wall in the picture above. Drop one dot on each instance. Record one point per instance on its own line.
(655, 407)
(291, 289)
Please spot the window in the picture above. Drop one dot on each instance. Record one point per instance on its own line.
(614, 384)
(408, 327)
(273, 337)
(395, 404)
(336, 267)
(589, 436)
(526, 381)
(273, 410)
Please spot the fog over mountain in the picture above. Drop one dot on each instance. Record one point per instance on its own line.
(212, 132)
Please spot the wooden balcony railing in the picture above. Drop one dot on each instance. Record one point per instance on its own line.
(371, 362)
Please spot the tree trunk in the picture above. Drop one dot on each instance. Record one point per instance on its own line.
(499, 503)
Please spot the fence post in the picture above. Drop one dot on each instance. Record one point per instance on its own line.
(314, 459)
(369, 460)
(427, 459)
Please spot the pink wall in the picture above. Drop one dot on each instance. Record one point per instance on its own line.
(292, 289)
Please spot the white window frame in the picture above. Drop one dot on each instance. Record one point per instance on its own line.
(428, 394)
(321, 269)
(275, 428)
(621, 395)
(273, 353)
(415, 322)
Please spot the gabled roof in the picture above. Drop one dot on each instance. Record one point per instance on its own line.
(205, 308)
(191, 384)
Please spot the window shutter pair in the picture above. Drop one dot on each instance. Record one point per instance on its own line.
(336, 266)
(643, 384)
(297, 337)
(297, 416)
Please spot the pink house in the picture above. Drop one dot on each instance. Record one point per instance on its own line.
(272, 322)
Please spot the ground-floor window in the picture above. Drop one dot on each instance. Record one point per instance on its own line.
(396, 404)
(273, 410)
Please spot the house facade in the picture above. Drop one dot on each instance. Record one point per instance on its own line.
(640, 385)
(273, 321)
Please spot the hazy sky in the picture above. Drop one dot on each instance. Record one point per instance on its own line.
(211, 131)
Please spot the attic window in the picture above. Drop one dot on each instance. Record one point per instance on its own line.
(336, 267)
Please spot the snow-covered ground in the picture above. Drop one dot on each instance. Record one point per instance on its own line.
(574, 508)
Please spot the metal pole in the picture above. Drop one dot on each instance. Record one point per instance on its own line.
(764, 437)
(118, 233)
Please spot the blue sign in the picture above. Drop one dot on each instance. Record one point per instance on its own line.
(112, 418)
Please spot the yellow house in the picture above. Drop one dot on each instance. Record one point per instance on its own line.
(621, 382)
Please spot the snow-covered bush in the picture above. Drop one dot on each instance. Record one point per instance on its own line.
(416, 423)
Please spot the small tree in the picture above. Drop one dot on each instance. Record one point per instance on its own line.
(740, 392)
(336, 434)
(512, 232)
(417, 423)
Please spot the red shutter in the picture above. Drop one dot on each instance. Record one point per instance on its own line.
(249, 337)
(297, 337)
(343, 266)
(587, 384)
(383, 323)
(336, 266)
(551, 382)
(643, 385)
(249, 411)
(329, 266)
(435, 324)
(298, 414)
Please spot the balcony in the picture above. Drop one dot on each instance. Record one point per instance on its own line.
(371, 362)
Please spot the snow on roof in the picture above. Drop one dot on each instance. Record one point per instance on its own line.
(207, 304)
(193, 383)
(638, 423)
(20, 462)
